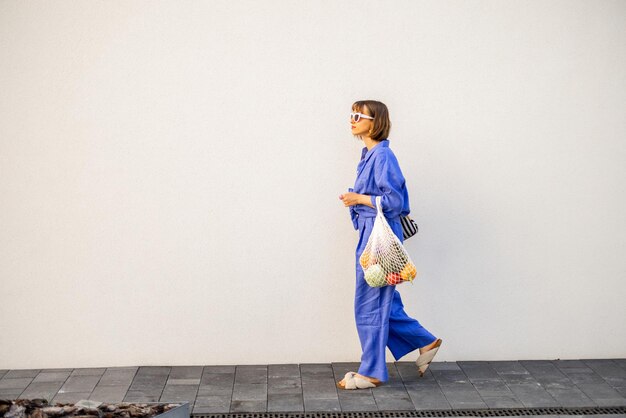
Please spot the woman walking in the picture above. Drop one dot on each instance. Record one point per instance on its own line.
(380, 318)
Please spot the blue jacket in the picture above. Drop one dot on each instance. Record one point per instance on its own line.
(379, 174)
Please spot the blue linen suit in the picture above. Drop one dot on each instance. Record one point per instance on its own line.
(380, 318)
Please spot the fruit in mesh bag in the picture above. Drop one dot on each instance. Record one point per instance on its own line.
(394, 278)
(409, 272)
(375, 276)
(365, 259)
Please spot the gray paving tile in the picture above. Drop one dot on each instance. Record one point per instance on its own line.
(426, 397)
(154, 371)
(12, 374)
(508, 367)
(319, 390)
(532, 395)
(546, 373)
(15, 383)
(570, 397)
(250, 392)
(148, 382)
(177, 382)
(569, 364)
(283, 370)
(395, 378)
(492, 387)
(251, 374)
(210, 409)
(179, 393)
(478, 370)
(220, 379)
(215, 390)
(214, 403)
(181, 389)
(285, 402)
(519, 378)
(328, 405)
(138, 396)
(450, 377)
(46, 390)
(463, 396)
(356, 400)
(248, 406)
(109, 394)
(117, 377)
(505, 401)
(512, 372)
(70, 397)
(186, 372)
(409, 374)
(609, 370)
(310, 372)
(284, 385)
(46, 376)
(444, 365)
(10, 393)
(583, 376)
(392, 371)
(88, 372)
(3, 372)
(392, 398)
(602, 394)
(127, 369)
(219, 369)
(80, 383)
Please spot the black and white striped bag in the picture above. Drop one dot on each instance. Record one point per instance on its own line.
(409, 227)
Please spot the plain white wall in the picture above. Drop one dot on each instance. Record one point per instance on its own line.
(170, 172)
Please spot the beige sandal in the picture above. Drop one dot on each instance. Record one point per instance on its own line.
(424, 360)
(353, 381)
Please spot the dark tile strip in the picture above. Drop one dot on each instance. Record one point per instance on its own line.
(148, 384)
(610, 371)
(319, 389)
(284, 388)
(456, 387)
(250, 389)
(559, 386)
(523, 385)
(425, 392)
(491, 388)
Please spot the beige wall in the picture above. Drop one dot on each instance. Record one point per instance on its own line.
(169, 174)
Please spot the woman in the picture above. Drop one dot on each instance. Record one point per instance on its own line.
(380, 318)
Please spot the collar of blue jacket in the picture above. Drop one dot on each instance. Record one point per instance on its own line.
(366, 154)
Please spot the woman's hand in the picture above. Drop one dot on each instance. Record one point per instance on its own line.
(351, 199)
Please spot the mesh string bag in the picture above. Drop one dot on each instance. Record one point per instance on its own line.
(384, 260)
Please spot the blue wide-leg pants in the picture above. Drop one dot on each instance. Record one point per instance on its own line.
(380, 318)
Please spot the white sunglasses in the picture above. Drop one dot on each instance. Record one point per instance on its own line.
(357, 116)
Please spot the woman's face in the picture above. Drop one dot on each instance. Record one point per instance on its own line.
(362, 127)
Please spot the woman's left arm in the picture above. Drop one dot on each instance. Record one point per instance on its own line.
(390, 181)
(351, 199)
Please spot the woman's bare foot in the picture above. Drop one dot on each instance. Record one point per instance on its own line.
(371, 379)
(428, 347)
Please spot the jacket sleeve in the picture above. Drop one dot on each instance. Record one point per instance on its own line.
(389, 181)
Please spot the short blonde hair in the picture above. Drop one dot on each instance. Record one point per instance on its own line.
(380, 113)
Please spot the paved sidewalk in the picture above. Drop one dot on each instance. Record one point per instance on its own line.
(311, 387)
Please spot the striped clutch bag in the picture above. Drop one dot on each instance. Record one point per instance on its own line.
(409, 227)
